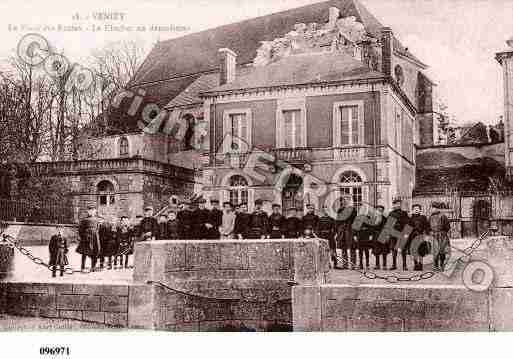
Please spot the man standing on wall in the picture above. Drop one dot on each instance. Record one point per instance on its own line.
(276, 222)
(185, 221)
(149, 227)
(216, 218)
(241, 222)
(89, 245)
(258, 222)
(201, 218)
(310, 219)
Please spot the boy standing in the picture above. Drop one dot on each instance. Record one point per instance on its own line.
(58, 248)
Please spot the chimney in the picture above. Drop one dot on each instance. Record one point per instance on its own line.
(227, 65)
(334, 14)
(387, 45)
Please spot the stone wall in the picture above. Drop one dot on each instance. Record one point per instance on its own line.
(401, 308)
(217, 285)
(105, 304)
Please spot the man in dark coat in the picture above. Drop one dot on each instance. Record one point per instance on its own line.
(258, 222)
(240, 229)
(364, 235)
(125, 238)
(379, 249)
(345, 217)
(162, 233)
(293, 227)
(401, 220)
(276, 222)
(326, 230)
(172, 226)
(185, 222)
(108, 244)
(89, 245)
(58, 248)
(216, 219)
(202, 223)
(440, 227)
(310, 220)
(149, 227)
(417, 245)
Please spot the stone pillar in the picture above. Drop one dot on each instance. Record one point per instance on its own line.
(505, 59)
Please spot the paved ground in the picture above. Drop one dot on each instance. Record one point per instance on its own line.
(26, 271)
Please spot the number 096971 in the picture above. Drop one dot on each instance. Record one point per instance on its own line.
(54, 351)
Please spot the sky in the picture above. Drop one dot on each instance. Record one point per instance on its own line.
(458, 39)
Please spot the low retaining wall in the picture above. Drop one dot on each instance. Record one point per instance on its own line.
(223, 285)
(105, 304)
(395, 308)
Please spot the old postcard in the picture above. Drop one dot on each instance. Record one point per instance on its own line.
(270, 166)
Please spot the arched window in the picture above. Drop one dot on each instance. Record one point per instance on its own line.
(238, 190)
(350, 184)
(105, 193)
(123, 147)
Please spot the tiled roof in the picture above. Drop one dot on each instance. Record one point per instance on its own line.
(197, 52)
(303, 69)
(174, 65)
(190, 95)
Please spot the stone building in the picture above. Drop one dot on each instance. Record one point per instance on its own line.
(325, 88)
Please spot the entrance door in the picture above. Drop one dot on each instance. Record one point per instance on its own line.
(292, 195)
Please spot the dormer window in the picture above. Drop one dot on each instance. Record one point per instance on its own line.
(123, 147)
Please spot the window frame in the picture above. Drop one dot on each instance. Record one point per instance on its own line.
(337, 123)
(124, 144)
(227, 126)
(291, 104)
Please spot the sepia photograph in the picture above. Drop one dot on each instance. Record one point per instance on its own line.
(272, 166)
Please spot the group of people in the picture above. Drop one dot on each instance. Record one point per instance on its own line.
(413, 235)
(350, 232)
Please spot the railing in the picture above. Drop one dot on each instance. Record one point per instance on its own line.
(115, 164)
(301, 155)
(22, 211)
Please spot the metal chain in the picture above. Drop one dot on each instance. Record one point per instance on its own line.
(33, 258)
(393, 278)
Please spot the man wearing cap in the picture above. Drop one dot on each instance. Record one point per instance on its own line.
(240, 229)
(185, 221)
(216, 218)
(379, 249)
(276, 222)
(293, 227)
(201, 217)
(228, 222)
(258, 222)
(440, 227)
(172, 226)
(345, 217)
(326, 230)
(401, 220)
(108, 243)
(162, 233)
(149, 227)
(310, 219)
(125, 238)
(89, 245)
